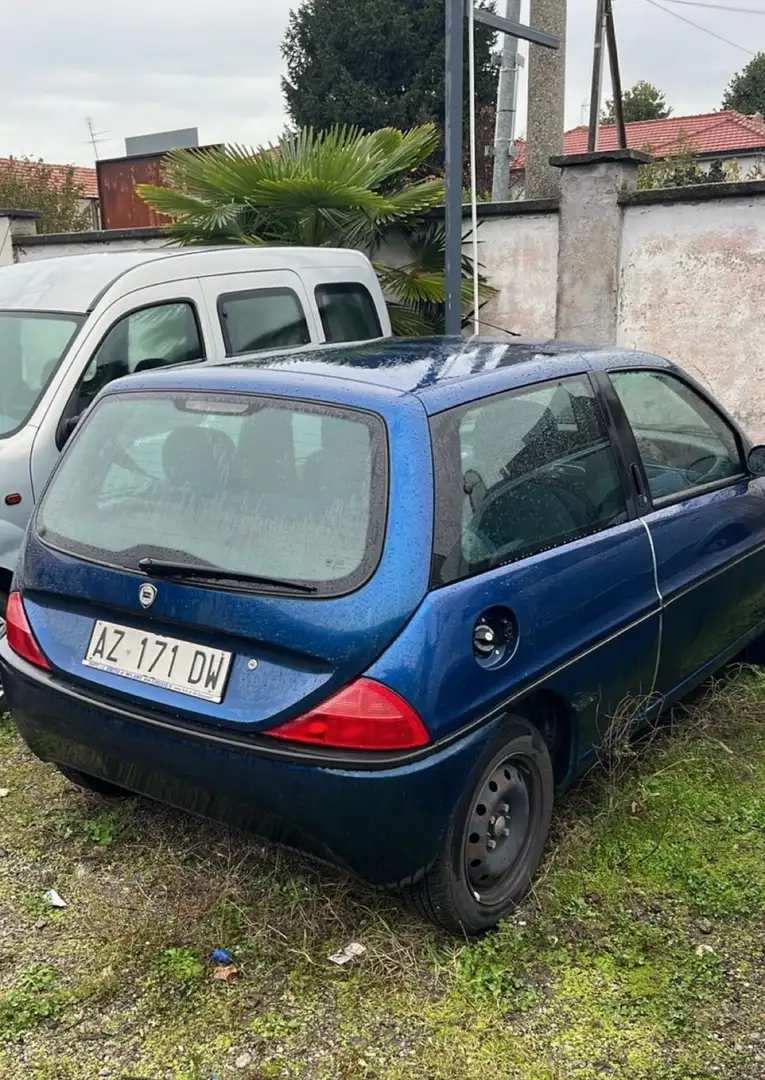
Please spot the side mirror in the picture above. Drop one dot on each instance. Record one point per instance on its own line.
(756, 461)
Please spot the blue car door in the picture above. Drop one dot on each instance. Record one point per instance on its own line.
(535, 525)
(706, 517)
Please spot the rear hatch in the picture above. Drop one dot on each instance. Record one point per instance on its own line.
(226, 557)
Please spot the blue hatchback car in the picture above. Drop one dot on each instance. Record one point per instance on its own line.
(381, 602)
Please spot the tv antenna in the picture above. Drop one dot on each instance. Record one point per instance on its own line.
(96, 137)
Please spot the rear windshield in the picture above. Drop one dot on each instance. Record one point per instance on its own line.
(251, 485)
(32, 344)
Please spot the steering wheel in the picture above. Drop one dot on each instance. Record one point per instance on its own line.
(706, 469)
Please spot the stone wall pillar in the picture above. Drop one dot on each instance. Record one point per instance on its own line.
(590, 242)
(15, 223)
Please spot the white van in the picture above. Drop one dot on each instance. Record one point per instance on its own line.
(68, 326)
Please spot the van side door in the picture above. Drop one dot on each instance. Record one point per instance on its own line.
(158, 326)
(256, 311)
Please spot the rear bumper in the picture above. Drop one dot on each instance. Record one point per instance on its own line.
(385, 824)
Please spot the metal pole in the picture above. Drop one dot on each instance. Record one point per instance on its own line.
(616, 78)
(506, 106)
(597, 78)
(455, 11)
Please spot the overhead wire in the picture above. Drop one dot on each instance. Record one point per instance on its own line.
(697, 26)
(718, 7)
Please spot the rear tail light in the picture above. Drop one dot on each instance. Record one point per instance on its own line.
(364, 716)
(19, 633)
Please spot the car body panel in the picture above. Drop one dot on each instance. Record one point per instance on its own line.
(594, 618)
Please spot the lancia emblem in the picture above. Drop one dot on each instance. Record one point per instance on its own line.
(147, 594)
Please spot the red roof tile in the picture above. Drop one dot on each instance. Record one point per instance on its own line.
(715, 133)
(83, 177)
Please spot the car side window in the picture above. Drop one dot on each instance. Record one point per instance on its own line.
(521, 473)
(348, 312)
(262, 319)
(684, 443)
(152, 337)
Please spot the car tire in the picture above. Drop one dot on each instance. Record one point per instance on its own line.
(3, 605)
(93, 783)
(496, 838)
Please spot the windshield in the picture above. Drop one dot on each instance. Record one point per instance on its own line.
(32, 344)
(258, 486)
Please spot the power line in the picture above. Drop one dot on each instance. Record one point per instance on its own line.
(718, 7)
(704, 29)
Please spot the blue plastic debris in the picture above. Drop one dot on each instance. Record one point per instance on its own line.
(220, 956)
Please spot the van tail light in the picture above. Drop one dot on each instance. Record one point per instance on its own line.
(363, 716)
(19, 633)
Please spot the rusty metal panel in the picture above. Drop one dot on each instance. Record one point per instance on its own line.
(121, 207)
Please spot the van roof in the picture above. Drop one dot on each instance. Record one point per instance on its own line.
(441, 371)
(75, 283)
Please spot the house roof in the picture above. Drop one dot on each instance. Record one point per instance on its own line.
(708, 133)
(83, 177)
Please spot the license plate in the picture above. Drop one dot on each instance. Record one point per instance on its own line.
(158, 660)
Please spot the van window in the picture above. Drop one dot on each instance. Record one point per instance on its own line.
(32, 344)
(248, 484)
(348, 312)
(520, 473)
(262, 319)
(152, 337)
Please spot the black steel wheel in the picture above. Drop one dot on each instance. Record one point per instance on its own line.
(93, 783)
(496, 839)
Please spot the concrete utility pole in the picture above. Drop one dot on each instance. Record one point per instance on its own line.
(507, 105)
(547, 102)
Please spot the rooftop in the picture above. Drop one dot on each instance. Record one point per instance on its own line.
(83, 177)
(709, 133)
(442, 371)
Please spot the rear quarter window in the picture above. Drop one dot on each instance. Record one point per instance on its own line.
(348, 312)
(520, 473)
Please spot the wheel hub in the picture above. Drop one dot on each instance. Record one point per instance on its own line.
(497, 828)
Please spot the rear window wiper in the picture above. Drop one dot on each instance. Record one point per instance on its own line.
(167, 568)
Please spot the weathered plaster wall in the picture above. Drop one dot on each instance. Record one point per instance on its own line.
(692, 287)
(27, 249)
(519, 256)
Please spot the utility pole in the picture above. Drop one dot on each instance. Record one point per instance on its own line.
(455, 13)
(605, 36)
(507, 98)
(547, 102)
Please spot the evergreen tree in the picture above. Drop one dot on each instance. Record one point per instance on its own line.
(643, 101)
(746, 93)
(375, 64)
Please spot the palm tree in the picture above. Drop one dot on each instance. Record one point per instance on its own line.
(338, 188)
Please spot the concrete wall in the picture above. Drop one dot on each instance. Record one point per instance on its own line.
(519, 256)
(692, 282)
(680, 273)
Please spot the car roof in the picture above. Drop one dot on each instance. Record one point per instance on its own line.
(75, 283)
(442, 372)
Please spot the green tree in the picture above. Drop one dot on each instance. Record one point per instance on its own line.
(643, 101)
(746, 92)
(337, 188)
(374, 63)
(28, 184)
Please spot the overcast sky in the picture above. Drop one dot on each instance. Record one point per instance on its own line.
(152, 65)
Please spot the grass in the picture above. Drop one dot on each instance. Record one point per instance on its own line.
(640, 954)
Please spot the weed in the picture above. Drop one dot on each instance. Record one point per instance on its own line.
(35, 997)
(182, 965)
